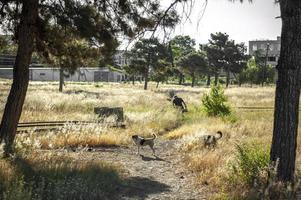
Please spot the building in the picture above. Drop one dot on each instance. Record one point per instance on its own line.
(80, 75)
(7, 60)
(268, 48)
(120, 58)
(38, 72)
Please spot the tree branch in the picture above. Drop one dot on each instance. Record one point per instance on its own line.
(164, 15)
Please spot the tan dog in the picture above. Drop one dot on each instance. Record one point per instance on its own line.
(211, 140)
(140, 141)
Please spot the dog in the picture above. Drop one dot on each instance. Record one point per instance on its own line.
(210, 141)
(140, 141)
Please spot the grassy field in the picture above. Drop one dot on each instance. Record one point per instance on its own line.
(146, 112)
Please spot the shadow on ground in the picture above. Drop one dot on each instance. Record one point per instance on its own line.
(59, 177)
(156, 158)
(140, 188)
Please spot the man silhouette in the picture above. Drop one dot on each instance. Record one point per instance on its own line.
(179, 103)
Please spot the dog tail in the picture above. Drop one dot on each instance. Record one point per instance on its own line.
(220, 134)
(154, 136)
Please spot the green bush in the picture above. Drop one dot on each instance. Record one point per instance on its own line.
(250, 165)
(215, 103)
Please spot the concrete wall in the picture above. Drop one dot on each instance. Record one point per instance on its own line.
(6, 73)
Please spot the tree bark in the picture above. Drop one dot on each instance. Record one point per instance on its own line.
(181, 77)
(284, 142)
(208, 79)
(133, 80)
(146, 78)
(61, 83)
(193, 80)
(215, 79)
(263, 76)
(227, 78)
(17, 94)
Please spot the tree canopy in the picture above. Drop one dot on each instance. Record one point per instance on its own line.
(194, 64)
(149, 56)
(36, 25)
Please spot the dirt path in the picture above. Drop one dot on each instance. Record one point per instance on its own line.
(149, 177)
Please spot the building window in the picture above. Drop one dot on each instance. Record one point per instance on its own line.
(272, 59)
(42, 74)
(254, 47)
(263, 46)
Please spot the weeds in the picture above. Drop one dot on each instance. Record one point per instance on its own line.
(249, 169)
(251, 160)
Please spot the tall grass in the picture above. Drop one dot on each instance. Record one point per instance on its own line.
(55, 176)
(147, 112)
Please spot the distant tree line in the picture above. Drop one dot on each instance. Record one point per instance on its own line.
(176, 60)
(179, 59)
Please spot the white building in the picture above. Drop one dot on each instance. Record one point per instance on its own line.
(80, 75)
(38, 72)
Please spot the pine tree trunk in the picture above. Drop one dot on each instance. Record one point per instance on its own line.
(193, 80)
(157, 84)
(181, 79)
(228, 78)
(133, 80)
(215, 79)
(146, 78)
(263, 77)
(284, 142)
(17, 94)
(208, 79)
(61, 82)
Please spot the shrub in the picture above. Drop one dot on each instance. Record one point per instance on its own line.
(215, 103)
(250, 165)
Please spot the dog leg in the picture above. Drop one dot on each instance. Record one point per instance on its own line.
(152, 147)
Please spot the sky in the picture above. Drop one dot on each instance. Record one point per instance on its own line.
(243, 22)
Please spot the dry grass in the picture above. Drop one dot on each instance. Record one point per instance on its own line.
(146, 112)
(56, 176)
(149, 112)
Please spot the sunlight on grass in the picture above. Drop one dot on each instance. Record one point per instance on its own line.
(146, 112)
(56, 176)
